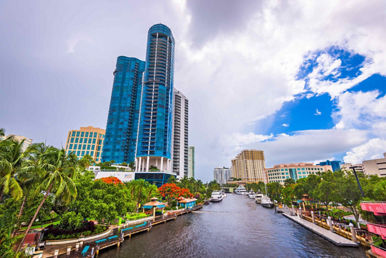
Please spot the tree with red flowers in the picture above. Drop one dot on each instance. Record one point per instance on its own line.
(111, 180)
(171, 191)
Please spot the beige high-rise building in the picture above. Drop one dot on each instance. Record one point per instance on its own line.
(375, 166)
(86, 141)
(249, 166)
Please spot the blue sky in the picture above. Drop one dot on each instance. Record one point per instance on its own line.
(303, 81)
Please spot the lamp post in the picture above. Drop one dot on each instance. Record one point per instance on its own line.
(359, 184)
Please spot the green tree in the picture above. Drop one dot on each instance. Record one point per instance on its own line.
(274, 191)
(11, 162)
(348, 193)
(289, 181)
(58, 179)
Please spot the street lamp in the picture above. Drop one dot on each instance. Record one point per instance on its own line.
(359, 184)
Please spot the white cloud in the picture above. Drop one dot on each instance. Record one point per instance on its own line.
(317, 112)
(303, 146)
(248, 73)
(372, 149)
(73, 43)
(285, 125)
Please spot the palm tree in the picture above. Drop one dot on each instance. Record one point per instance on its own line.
(59, 173)
(11, 161)
(2, 132)
(30, 175)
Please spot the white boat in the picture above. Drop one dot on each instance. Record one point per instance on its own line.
(266, 202)
(217, 196)
(258, 198)
(240, 190)
(251, 195)
(223, 194)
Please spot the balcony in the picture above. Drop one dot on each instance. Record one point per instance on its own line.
(377, 229)
(378, 208)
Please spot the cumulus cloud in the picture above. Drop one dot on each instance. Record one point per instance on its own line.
(372, 149)
(302, 146)
(317, 112)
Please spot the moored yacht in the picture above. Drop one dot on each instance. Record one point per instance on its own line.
(251, 195)
(258, 198)
(266, 202)
(217, 196)
(240, 190)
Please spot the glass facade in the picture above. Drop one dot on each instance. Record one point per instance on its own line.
(155, 131)
(122, 121)
(334, 164)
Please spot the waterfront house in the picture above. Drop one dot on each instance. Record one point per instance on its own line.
(187, 203)
(154, 205)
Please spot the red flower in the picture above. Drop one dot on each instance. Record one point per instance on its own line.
(111, 180)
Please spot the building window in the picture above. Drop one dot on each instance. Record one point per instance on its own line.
(93, 140)
(78, 153)
(86, 135)
(71, 146)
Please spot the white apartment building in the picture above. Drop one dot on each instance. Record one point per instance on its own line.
(180, 145)
(222, 175)
(191, 162)
(279, 173)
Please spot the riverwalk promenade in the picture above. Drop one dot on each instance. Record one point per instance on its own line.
(326, 234)
(115, 237)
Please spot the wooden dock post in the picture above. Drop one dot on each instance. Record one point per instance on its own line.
(329, 223)
(353, 233)
(77, 247)
(56, 253)
(313, 217)
(68, 250)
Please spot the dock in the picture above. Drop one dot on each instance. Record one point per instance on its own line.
(326, 234)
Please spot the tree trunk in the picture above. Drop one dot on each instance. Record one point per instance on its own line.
(34, 217)
(19, 215)
(356, 215)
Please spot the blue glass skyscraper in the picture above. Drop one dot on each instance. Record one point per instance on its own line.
(122, 121)
(155, 127)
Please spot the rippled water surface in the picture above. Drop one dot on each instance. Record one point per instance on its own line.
(235, 227)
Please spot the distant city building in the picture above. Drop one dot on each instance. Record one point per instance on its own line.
(279, 173)
(375, 166)
(27, 141)
(334, 164)
(349, 166)
(180, 134)
(249, 166)
(86, 141)
(222, 175)
(191, 162)
(122, 121)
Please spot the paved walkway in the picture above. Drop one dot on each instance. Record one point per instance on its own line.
(327, 234)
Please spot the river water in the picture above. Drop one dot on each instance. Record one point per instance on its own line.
(235, 227)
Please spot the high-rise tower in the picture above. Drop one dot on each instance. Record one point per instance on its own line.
(122, 122)
(180, 134)
(155, 127)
